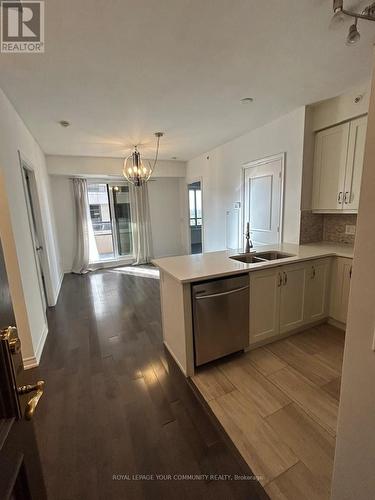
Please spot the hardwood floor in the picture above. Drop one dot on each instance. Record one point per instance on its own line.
(279, 406)
(116, 405)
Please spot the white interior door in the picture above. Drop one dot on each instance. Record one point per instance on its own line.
(35, 228)
(263, 181)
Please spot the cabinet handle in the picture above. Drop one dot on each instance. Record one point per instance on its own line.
(280, 280)
(347, 197)
(339, 198)
(285, 278)
(313, 272)
(350, 272)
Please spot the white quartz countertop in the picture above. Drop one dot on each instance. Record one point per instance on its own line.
(188, 268)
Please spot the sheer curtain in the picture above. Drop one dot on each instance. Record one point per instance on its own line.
(141, 224)
(86, 245)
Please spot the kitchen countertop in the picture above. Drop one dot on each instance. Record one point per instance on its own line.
(197, 267)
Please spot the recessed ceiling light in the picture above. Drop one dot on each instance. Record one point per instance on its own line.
(64, 123)
(247, 100)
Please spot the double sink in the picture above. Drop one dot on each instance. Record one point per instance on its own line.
(253, 258)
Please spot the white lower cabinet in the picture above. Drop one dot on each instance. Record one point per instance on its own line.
(264, 304)
(285, 298)
(341, 275)
(292, 296)
(317, 290)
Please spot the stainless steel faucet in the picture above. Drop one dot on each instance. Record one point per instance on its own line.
(249, 243)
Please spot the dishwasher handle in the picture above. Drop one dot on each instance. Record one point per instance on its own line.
(236, 290)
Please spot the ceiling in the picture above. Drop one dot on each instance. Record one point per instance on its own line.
(121, 70)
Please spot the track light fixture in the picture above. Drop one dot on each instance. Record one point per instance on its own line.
(339, 13)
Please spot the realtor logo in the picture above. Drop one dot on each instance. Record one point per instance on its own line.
(22, 27)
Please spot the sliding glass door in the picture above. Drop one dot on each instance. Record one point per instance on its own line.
(195, 216)
(111, 221)
(122, 219)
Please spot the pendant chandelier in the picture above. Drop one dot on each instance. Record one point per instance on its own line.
(136, 169)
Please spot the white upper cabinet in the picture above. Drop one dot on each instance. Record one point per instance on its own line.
(338, 164)
(331, 147)
(356, 149)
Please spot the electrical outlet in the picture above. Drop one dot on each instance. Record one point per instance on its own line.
(350, 229)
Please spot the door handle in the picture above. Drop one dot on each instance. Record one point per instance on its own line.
(10, 334)
(221, 294)
(33, 402)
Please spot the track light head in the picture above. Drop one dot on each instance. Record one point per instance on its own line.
(353, 35)
(338, 5)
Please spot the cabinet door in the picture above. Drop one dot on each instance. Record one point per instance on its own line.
(356, 149)
(341, 276)
(292, 296)
(331, 147)
(264, 304)
(317, 289)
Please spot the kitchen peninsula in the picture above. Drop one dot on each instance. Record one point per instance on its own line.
(286, 294)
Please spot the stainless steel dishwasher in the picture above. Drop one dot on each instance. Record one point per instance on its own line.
(220, 317)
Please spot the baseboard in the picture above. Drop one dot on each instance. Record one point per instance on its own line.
(281, 336)
(30, 362)
(174, 357)
(57, 291)
(337, 324)
(33, 361)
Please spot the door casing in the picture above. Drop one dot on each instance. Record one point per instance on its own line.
(42, 267)
(258, 163)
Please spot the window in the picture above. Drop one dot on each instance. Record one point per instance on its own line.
(95, 212)
(111, 221)
(195, 207)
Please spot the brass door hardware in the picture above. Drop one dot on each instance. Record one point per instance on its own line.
(33, 402)
(11, 335)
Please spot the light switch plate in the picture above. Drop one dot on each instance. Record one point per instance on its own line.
(350, 229)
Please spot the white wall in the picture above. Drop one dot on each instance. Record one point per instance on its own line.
(63, 202)
(166, 220)
(341, 108)
(165, 201)
(99, 167)
(354, 476)
(221, 174)
(14, 137)
(164, 194)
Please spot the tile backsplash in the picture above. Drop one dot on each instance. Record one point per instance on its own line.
(311, 227)
(334, 228)
(326, 227)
